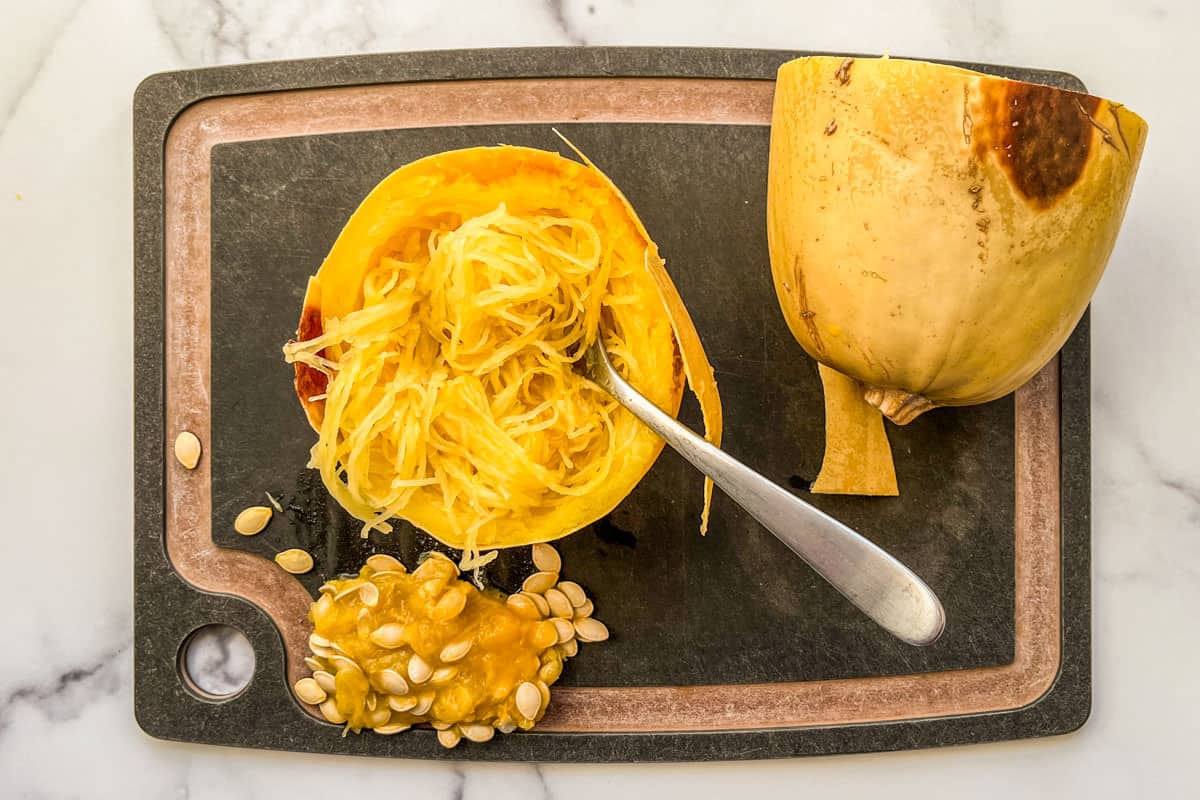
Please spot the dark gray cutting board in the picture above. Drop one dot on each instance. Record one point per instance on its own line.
(731, 608)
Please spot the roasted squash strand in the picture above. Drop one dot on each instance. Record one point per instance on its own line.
(479, 402)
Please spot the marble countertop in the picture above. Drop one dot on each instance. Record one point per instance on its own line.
(70, 68)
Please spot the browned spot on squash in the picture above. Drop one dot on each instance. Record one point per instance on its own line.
(843, 71)
(807, 314)
(1040, 135)
(1105, 133)
(309, 381)
(967, 122)
(311, 325)
(678, 374)
(1112, 109)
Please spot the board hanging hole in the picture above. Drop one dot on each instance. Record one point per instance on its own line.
(216, 662)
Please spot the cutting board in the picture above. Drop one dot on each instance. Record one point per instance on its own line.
(724, 646)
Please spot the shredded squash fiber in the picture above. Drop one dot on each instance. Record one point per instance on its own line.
(435, 353)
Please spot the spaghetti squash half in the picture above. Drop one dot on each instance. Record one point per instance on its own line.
(436, 348)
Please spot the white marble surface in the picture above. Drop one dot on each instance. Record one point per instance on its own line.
(69, 70)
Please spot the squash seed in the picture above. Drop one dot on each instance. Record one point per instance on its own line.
(571, 649)
(344, 663)
(441, 725)
(529, 700)
(584, 610)
(390, 635)
(449, 738)
(591, 630)
(573, 591)
(382, 562)
(550, 671)
(323, 605)
(252, 520)
(329, 710)
(424, 703)
(544, 691)
(506, 727)
(187, 449)
(402, 704)
(477, 732)
(449, 606)
(432, 588)
(324, 680)
(546, 558)
(379, 717)
(309, 691)
(443, 674)
(545, 635)
(372, 701)
(317, 640)
(455, 651)
(391, 728)
(539, 582)
(369, 594)
(539, 602)
(391, 682)
(560, 606)
(524, 607)
(564, 629)
(295, 561)
(313, 664)
(419, 670)
(436, 565)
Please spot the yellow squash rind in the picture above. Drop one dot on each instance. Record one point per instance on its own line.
(858, 459)
(530, 181)
(936, 233)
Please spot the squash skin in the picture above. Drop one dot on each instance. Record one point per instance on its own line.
(858, 458)
(530, 180)
(936, 233)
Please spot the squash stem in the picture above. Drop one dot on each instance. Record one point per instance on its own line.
(899, 406)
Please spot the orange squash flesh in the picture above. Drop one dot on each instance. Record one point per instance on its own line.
(640, 317)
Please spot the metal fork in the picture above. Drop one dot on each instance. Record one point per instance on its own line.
(884, 589)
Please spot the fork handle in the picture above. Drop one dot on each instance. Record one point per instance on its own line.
(873, 580)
